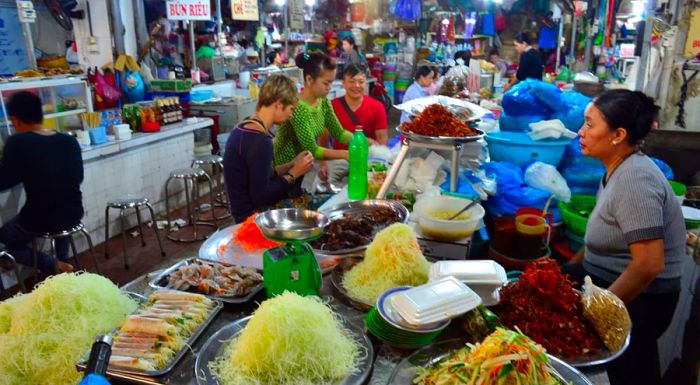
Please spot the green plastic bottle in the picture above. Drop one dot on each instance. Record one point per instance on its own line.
(359, 152)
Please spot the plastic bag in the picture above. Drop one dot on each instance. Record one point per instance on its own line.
(518, 101)
(607, 313)
(418, 174)
(507, 175)
(518, 123)
(583, 176)
(105, 92)
(664, 167)
(548, 94)
(546, 177)
(571, 113)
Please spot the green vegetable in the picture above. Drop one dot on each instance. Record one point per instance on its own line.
(377, 167)
(291, 340)
(44, 333)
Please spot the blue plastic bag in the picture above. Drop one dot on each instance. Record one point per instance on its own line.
(664, 167)
(518, 101)
(507, 175)
(518, 123)
(548, 94)
(573, 108)
(583, 176)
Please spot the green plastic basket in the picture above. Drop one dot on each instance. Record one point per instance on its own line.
(679, 189)
(575, 213)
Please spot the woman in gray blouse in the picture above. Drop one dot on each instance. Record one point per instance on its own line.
(635, 238)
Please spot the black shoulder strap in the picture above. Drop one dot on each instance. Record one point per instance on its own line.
(347, 108)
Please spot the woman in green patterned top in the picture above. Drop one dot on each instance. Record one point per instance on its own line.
(312, 115)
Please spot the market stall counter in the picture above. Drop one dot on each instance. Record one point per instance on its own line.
(386, 357)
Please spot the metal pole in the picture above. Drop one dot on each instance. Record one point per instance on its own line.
(117, 26)
(192, 46)
(559, 35)
(639, 84)
(29, 45)
(285, 9)
(219, 27)
(140, 22)
(572, 49)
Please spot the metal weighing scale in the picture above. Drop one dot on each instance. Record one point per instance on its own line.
(292, 266)
(447, 143)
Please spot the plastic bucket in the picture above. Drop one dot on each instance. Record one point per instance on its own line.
(518, 148)
(531, 224)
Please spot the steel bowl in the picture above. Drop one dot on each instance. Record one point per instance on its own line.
(291, 224)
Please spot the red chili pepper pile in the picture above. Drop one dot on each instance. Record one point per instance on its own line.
(251, 238)
(545, 307)
(437, 120)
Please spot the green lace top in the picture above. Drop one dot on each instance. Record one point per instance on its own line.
(302, 129)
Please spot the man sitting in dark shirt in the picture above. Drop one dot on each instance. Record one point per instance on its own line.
(50, 166)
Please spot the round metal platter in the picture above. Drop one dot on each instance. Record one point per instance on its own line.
(444, 140)
(358, 208)
(337, 281)
(215, 345)
(600, 358)
(221, 247)
(405, 371)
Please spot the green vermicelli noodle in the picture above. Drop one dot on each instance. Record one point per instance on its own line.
(290, 340)
(44, 333)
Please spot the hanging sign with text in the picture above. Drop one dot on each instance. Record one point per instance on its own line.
(245, 10)
(188, 10)
(296, 14)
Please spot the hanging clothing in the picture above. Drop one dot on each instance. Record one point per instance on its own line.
(548, 37)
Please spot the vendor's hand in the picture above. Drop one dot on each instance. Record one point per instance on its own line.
(323, 171)
(373, 142)
(302, 164)
(301, 155)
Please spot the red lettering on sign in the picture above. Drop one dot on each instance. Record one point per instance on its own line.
(182, 9)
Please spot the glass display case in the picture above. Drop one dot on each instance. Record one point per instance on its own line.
(63, 100)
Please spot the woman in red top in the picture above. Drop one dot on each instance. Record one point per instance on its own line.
(354, 109)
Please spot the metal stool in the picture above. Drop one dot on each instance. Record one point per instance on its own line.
(80, 228)
(4, 255)
(190, 175)
(135, 203)
(216, 163)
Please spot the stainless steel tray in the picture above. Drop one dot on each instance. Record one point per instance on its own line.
(405, 371)
(138, 376)
(337, 280)
(160, 282)
(603, 357)
(442, 140)
(359, 207)
(220, 247)
(217, 342)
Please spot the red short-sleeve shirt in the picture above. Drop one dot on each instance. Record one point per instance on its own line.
(371, 114)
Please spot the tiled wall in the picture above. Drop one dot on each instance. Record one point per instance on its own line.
(142, 171)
